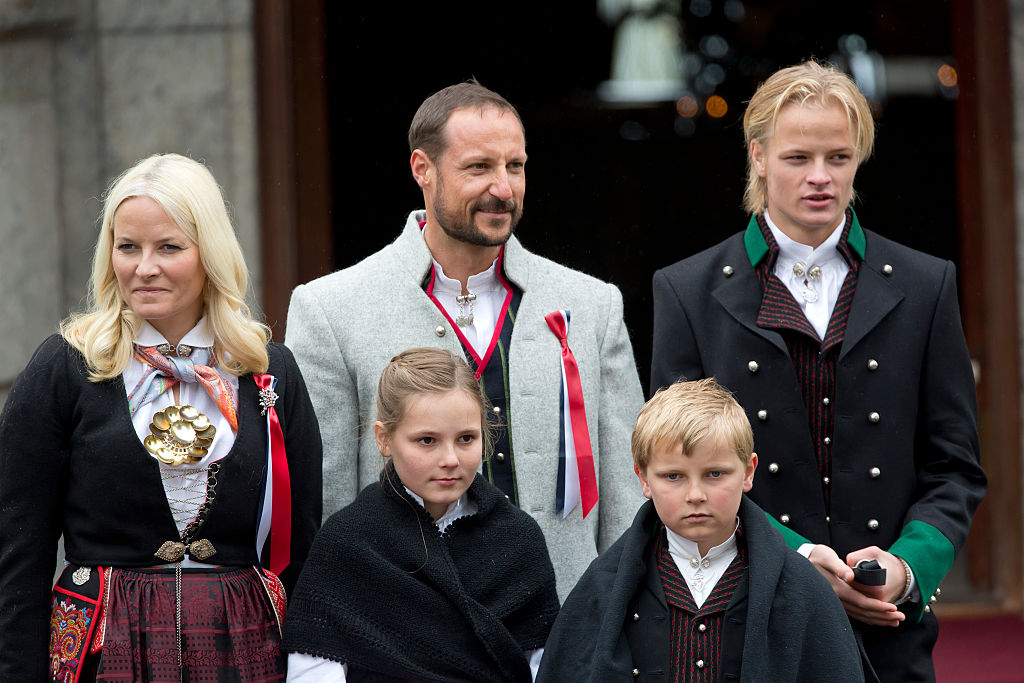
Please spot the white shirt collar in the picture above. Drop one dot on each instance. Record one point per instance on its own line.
(486, 281)
(198, 337)
(792, 251)
(463, 507)
(687, 549)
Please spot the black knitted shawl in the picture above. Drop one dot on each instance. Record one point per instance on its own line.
(386, 593)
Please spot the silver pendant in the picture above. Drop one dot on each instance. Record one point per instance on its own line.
(809, 295)
(463, 320)
(698, 582)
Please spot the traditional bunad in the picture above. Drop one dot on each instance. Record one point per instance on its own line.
(651, 608)
(182, 523)
(394, 597)
(851, 364)
(552, 354)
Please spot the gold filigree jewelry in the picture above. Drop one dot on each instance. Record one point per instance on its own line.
(174, 551)
(180, 434)
(181, 350)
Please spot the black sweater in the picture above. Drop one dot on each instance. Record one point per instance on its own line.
(72, 464)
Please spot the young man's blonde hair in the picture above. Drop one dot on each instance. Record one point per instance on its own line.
(688, 413)
(811, 83)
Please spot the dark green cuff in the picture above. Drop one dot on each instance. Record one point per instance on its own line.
(793, 539)
(930, 556)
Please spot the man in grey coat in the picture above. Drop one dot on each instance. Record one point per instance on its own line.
(457, 278)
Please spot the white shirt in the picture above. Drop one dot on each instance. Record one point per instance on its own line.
(184, 485)
(490, 295)
(816, 296)
(303, 668)
(701, 579)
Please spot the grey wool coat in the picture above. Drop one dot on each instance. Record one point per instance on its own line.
(345, 327)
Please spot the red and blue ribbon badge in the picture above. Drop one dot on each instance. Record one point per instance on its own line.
(276, 505)
(577, 480)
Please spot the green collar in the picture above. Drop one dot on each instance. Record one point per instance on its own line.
(757, 247)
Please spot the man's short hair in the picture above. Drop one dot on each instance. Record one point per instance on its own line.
(428, 125)
(689, 413)
(815, 83)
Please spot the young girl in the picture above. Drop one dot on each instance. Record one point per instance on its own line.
(431, 574)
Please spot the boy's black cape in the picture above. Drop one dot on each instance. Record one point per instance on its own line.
(795, 630)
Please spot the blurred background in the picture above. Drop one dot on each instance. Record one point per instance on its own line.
(633, 115)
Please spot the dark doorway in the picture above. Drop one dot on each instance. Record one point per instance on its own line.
(619, 189)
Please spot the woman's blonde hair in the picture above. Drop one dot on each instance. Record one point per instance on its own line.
(808, 83)
(189, 194)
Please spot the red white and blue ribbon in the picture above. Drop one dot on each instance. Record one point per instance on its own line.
(276, 505)
(577, 481)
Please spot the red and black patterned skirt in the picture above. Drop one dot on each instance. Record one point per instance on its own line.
(229, 630)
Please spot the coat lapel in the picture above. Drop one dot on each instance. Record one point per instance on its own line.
(874, 298)
(740, 296)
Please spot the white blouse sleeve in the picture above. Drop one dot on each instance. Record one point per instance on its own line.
(309, 669)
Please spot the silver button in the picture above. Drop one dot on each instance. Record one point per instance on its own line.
(887, 269)
(753, 366)
(439, 330)
(828, 520)
(874, 417)
(773, 468)
(872, 364)
(702, 628)
(938, 591)
(927, 609)
(932, 599)
(784, 519)
(636, 617)
(827, 440)
(728, 271)
(825, 401)
(873, 524)
(699, 663)
(762, 415)
(636, 672)
(496, 410)
(875, 472)
(827, 481)
(500, 457)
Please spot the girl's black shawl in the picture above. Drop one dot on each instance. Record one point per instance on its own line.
(386, 593)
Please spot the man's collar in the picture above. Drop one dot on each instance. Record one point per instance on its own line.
(757, 246)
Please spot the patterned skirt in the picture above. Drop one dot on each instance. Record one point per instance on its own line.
(229, 632)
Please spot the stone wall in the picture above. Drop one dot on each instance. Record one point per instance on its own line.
(88, 87)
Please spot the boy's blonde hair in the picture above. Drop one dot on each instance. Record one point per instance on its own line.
(812, 83)
(687, 413)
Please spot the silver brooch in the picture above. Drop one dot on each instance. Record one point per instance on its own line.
(267, 400)
(81, 576)
(181, 350)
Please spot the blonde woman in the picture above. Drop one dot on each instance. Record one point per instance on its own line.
(174, 448)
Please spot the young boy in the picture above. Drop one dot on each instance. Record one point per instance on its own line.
(701, 587)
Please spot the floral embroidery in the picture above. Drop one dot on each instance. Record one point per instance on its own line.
(69, 629)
